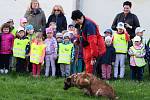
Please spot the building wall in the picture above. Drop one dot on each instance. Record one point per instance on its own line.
(104, 11)
(15, 9)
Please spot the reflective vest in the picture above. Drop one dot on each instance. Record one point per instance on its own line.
(36, 53)
(120, 43)
(19, 48)
(140, 62)
(65, 53)
(14, 32)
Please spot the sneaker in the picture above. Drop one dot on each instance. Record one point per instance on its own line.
(6, 71)
(1, 71)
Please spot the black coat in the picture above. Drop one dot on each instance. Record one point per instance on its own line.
(109, 56)
(131, 19)
(60, 21)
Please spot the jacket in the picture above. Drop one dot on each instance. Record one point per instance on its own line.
(60, 21)
(51, 46)
(90, 36)
(109, 56)
(131, 19)
(7, 40)
(38, 20)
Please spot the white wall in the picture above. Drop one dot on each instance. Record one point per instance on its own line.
(104, 11)
(15, 9)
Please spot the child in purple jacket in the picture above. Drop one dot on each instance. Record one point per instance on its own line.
(51, 52)
(6, 45)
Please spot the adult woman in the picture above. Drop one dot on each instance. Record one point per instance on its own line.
(131, 21)
(58, 17)
(36, 16)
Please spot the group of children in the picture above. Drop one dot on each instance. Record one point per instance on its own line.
(118, 46)
(28, 51)
(61, 55)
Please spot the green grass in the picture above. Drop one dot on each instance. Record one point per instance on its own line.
(19, 87)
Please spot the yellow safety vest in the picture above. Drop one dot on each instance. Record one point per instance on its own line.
(36, 53)
(120, 43)
(140, 62)
(19, 48)
(65, 53)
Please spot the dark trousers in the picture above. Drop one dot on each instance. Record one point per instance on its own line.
(5, 61)
(136, 73)
(20, 65)
(97, 67)
(58, 71)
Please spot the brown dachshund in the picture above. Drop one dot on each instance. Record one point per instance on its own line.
(90, 85)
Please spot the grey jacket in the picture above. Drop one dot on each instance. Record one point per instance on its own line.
(37, 19)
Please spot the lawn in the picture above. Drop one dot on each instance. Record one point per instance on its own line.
(25, 87)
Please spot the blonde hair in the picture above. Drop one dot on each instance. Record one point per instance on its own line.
(39, 35)
(59, 8)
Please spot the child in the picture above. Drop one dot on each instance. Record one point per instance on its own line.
(137, 61)
(51, 52)
(139, 32)
(120, 43)
(30, 32)
(108, 59)
(23, 23)
(13, 29)
(20, 49)
(6, 45)
(64, 58)
(37, 54)
(31, 36)
(71, 28)
(59, 38)
(77, 65)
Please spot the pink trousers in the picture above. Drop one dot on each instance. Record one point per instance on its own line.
(106, 71)
(36, 69)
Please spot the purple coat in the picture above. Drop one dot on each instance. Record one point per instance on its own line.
(7, 40)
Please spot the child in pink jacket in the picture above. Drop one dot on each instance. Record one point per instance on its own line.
(6, 45)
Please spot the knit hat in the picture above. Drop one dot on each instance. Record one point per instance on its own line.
(48, 30)
(108, 30)
(29, 27)
(20, 29)
(137, 38)
(120, 25)
(23, 20)
(66, 35)
(59, 35)
(139, 29)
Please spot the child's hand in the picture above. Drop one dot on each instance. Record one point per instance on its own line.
(113, 63)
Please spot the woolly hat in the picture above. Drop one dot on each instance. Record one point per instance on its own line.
(29, 27)
(59, 35)
(48, 30)
(23, 20)
(120, 25)
(139, 29)
(66, 35)
(108, 30)
(137, 38)
(20, 29)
